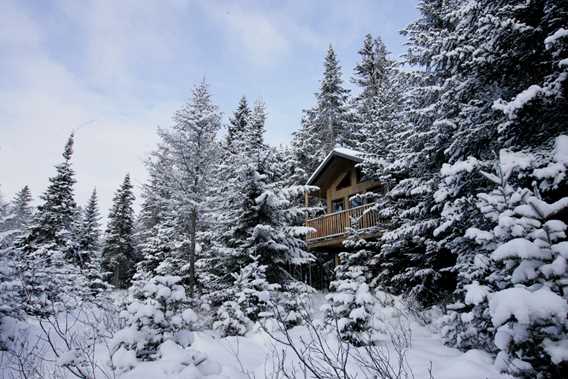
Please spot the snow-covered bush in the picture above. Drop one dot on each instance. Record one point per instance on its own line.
(247, 300)
(293, 301)
(230, 320)
(156, 313)
(350, 303)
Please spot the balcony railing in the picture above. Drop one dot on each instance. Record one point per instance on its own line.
(334, 225)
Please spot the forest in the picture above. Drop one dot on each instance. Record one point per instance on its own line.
(465, 274)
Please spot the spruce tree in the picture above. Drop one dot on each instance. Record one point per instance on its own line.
(156, 315)
(256, 129)
(350, 303)
(376, 108)
(48, 258)
(53, 224)
(517, 260)
(261, 217)
(238, 125)
(90, 246)
(178, 196)
(17, 216)
(119, 255)
(21, 207)
(326, 124)
(89, 233)
(247, 300)
(14, 218)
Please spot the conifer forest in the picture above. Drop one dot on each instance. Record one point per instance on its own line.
(414, 225)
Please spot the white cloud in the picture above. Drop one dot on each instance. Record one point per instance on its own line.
(46, 101)
(117, 69)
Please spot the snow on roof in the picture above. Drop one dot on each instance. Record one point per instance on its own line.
(342, 152)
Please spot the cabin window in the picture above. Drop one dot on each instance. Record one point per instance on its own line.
(345, 182)
(337, 205)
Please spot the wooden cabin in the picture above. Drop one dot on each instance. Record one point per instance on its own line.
(339, 181)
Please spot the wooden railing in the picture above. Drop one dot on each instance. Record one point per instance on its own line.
(334, 225)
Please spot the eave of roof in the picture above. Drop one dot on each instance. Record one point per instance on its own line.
(342, 152)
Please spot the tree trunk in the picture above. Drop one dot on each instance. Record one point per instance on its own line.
(192, 236)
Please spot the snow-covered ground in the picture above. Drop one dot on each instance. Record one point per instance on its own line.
(253, 356)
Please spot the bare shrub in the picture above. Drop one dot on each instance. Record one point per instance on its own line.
(315, 356)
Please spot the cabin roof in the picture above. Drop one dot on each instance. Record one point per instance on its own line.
(338, 152)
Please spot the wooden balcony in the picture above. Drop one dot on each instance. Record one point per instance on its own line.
(331, 229)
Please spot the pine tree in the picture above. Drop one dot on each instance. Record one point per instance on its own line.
(17, 216)
(376, 109)
(53, 224)
(160, 252)
(90, 228)
(520, 262)
(260, 215)
(247, 301)
(156, 314)
(350, 302)
(190, 151)
(326, 124)
(89, 247)
(256, 129)
(21, 207)
(119, 255)
(294, 302)
(412, 260)
(238, 125)
(14, 218)
(48, 252)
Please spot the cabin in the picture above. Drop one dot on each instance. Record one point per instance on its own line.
(339, 181)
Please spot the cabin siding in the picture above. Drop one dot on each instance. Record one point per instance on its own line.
(330, 229)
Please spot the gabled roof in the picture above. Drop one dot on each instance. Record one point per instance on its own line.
(341, 152)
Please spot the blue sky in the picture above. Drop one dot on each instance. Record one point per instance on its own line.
(115, 70)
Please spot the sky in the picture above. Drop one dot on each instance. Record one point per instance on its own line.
(113, 71)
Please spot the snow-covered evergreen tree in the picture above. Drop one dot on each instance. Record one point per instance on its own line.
(160, 252)
(90, 226)
(411, 261)
(90, 247)
(238, 125)
(294, 302)
(48, 260)
(350, 302)
(255, 131)
(247, 300)
(512, 290)
(326, 124)
(119, 254)
(262, 218)
(190, 152)
(375, 109)
(52, 226)
(14, 218)
(156, 312)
